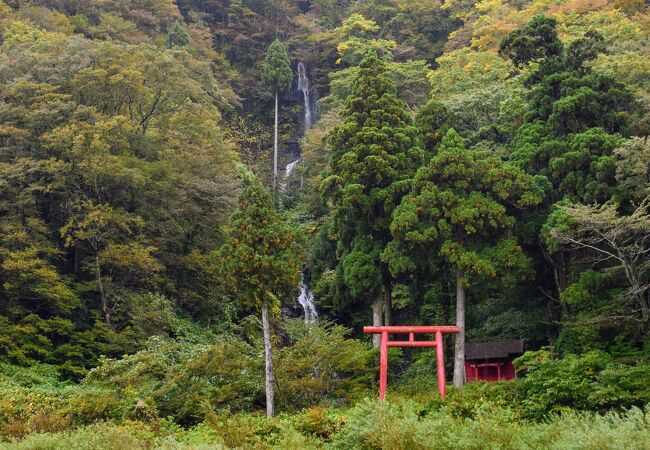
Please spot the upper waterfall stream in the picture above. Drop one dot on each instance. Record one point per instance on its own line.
(303, 85)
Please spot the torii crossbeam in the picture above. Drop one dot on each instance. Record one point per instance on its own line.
(411, 331)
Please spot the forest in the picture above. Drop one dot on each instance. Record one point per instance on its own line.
(203, 202)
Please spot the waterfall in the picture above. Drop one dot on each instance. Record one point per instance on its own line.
(287, 171)
(303, 85)
(306, 297)
(306, 300)
(289, 168)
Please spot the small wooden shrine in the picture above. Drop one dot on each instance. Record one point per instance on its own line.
(491, 361)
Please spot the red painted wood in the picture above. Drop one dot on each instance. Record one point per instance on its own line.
(383, 365)
(385, 344)
(495, 369)
(412, 343)
(440, 365)
(414, 329)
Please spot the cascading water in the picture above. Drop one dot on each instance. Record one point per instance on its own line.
(287, 173)
(306, 297)
(303, 85)
(289, 168)
(306, 300)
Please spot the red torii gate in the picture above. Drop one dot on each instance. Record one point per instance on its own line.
(385, 343)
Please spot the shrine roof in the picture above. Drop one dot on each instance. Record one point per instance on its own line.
(496, 349)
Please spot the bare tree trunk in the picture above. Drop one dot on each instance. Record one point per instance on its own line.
(459, 354)
(268, 381)
(376, 319)
(102, 294)
(388, 304)
(275, 148)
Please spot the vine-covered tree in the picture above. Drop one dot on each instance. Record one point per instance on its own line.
(460, 210)
(374, 155)
(277, 76)
(261, 261)
(618, 245)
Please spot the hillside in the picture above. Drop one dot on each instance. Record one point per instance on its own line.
(481, 164)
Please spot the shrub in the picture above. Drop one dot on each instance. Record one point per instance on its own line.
(592, 381)
(319, 365)
(225, 376)
(93, 437)
(319, 422)
(186, 380)
(404, 424)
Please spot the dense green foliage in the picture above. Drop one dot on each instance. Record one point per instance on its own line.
(114, 183)
(374, 153)
(261, 258)
(482, 163)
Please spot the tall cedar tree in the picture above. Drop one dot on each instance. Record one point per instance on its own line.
(432, 122)
(261, 261)
(460, 210)
(277, 76)
(375, 154)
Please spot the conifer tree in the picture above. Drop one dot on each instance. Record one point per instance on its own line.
(277, 76)
(459, 211)
(177, 36)
(432, 121)
(261, 261)
(575, 115)
(373, 158)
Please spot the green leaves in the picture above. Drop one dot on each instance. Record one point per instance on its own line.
(262, 257)
(357, 38)
(374, 155)
(113, 169)
(177, 36)
(458, 209)
(536, 42)
(277, 73)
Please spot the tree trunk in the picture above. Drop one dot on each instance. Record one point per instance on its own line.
(376, 319)
(459, 354)
(268, 381)
(102, 294)
(275, 148)
(388, 304)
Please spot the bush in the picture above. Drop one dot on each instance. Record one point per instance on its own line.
(94, 437)
(404, 424)
(46, 408)
(186, 380)
(592, 381)
(318, 422)
(226, 376)
(34, 400)
(320, 365)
